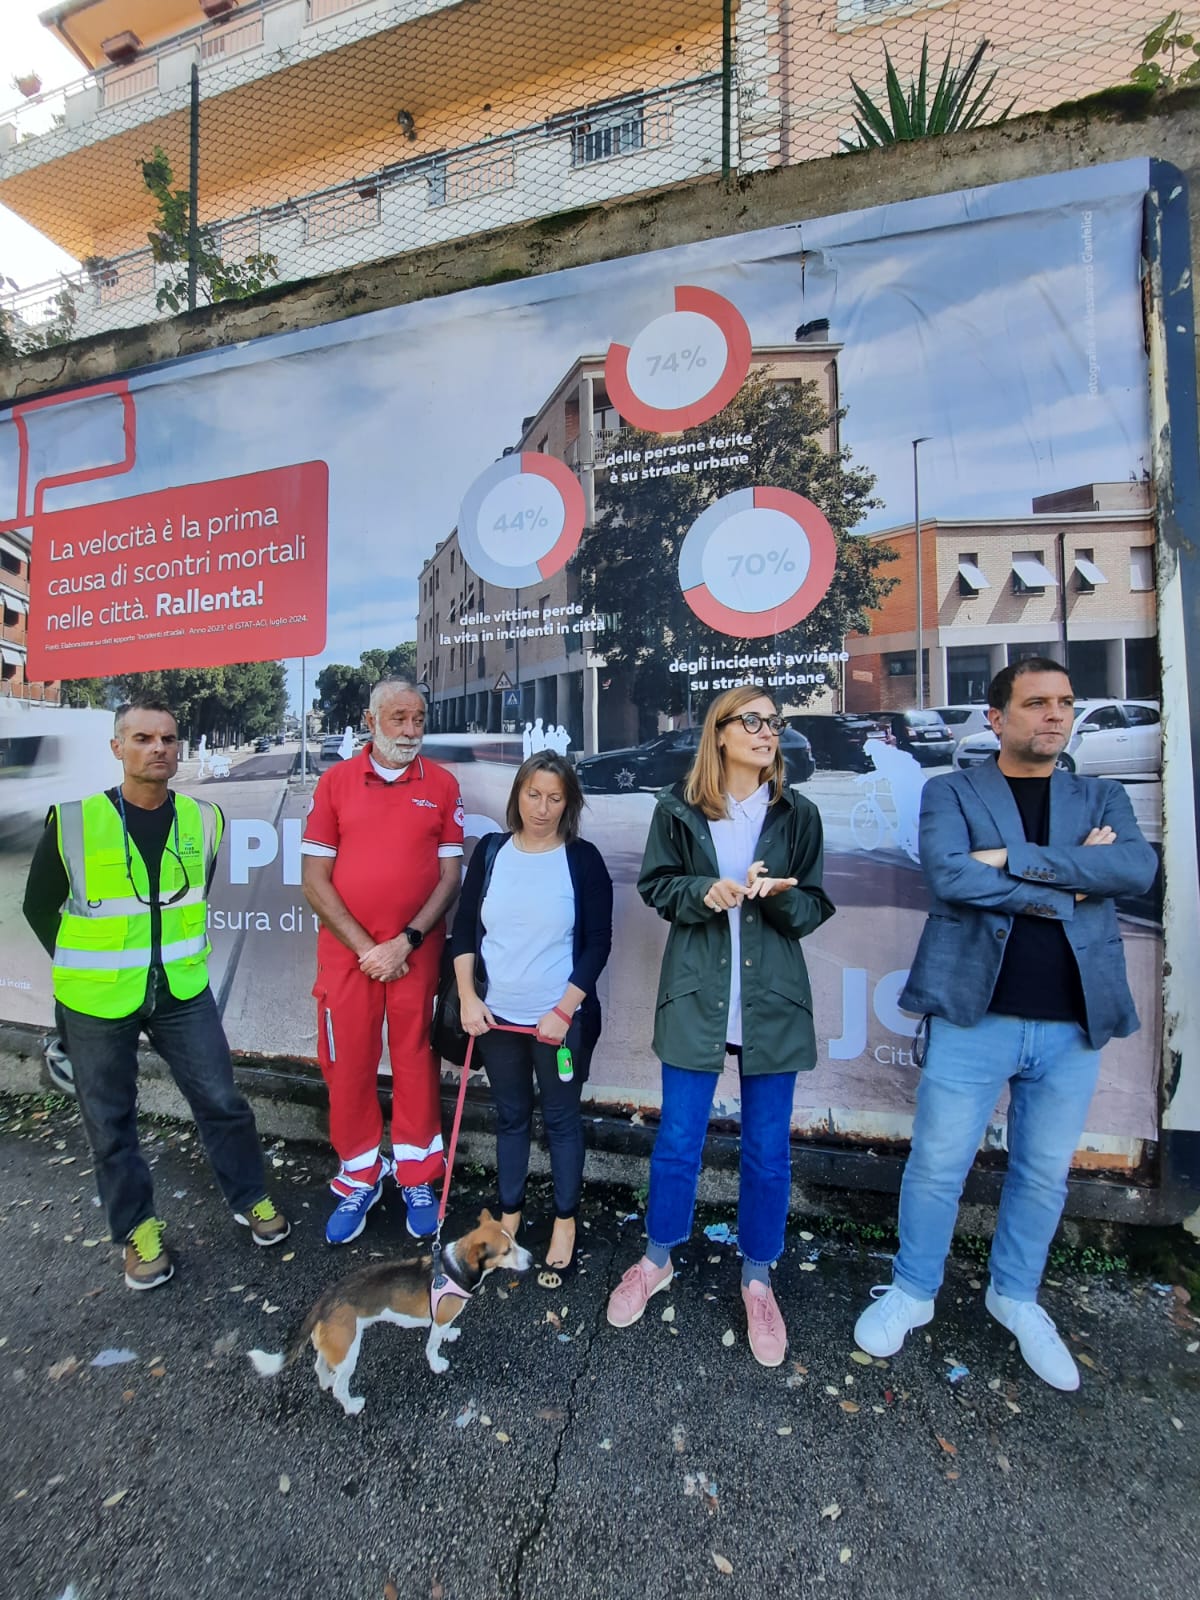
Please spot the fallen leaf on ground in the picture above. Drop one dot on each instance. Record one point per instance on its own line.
(728, 1338)
(1177, 1424)
(722, 1564)
(950, 1449)
(850, 1406)
(53, 1483)
(158, 1372)
(225, 1345)
(844, 1554)
(1004, 1464)
(285, 1483)
(807, 1237)
(127, 1394)
(502, 1437)
(605, 1444)
(553, 1318)
(833, 1511)
(953, 1477)
(390, 1591)
(669, 1314)
(808, 1266)
(60, 1369)
(549, 1414)
(436, 1592)
(1013, 1407)
(115, 1499)
(860, 1358)
(291, 1256)
(783, 1432)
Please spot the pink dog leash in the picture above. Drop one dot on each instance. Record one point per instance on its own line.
(442, 1284)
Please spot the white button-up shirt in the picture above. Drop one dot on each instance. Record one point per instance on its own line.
(735, 840)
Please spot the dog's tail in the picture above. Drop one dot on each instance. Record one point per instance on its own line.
(269, 1364)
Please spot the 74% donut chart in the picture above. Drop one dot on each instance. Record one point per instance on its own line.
(757, 561)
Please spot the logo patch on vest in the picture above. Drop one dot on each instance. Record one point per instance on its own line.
(417, 800)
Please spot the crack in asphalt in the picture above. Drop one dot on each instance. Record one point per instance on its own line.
(527, 1543)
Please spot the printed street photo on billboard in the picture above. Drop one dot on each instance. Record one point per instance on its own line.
(864, 461)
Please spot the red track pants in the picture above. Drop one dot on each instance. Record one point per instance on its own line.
(351, 1009)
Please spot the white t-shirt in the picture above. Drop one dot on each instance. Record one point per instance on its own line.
(529, 929)
(735, 839)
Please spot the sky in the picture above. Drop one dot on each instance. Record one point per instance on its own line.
(26, 256)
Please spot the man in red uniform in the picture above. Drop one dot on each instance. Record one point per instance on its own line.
(381, 862)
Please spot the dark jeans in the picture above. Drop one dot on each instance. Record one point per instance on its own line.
(189, 1037)
(512, 1061)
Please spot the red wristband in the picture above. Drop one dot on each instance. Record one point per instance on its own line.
(558, 1012)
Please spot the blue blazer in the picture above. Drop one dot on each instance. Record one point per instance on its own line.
(962, 945)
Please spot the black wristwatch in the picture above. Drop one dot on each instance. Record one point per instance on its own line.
(414, 937)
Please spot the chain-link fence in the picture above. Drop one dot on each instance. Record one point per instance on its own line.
(321, 134)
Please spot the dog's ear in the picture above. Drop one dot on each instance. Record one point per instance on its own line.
(485, 1216)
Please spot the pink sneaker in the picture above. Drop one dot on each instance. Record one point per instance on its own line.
(628, 1299)
(764, 1325)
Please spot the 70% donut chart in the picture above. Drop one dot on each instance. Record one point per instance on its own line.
(758, 562)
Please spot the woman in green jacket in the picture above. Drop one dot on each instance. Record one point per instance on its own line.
(733, 863)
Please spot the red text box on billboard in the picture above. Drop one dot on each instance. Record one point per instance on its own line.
(201, 575)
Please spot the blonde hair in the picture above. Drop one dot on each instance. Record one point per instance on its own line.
(704, 785)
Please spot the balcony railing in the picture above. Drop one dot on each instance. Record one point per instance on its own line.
(210, 44)
(531, 172)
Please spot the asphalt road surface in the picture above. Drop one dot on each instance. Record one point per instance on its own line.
(558, 1459)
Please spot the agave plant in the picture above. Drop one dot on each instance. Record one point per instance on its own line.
(914, 115)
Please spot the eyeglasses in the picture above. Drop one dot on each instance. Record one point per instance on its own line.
(167, 851)
(752, 721)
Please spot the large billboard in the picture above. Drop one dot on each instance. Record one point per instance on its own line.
(863, 460)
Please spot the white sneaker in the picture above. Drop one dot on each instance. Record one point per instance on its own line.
(1037, 1337)
(884, 1325)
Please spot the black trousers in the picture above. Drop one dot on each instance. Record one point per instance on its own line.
(512, 1062)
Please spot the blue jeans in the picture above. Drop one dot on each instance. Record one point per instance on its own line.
(189, 1037)
(1050, 1070)
(765, 1177)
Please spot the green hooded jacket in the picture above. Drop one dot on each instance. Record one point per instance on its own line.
(691, 1015)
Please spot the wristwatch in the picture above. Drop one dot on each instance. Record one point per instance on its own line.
(414, 937)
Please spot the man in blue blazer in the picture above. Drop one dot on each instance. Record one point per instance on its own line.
(1020, 976)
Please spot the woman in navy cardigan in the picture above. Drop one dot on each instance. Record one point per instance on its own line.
(531, 937)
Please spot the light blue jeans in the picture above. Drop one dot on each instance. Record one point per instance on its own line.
(1050, 1069)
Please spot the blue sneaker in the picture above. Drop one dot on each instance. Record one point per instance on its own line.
(421, 1204)
(350, 1215)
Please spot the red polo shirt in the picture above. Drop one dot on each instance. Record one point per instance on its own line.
(386, 838)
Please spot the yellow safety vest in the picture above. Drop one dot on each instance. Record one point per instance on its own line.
(102, 954)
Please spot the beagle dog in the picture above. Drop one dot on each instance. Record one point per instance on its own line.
(403, 1292)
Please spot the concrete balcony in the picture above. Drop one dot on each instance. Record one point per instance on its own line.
(313, 87)
(665, 136)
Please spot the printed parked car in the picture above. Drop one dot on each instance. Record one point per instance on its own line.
(1110, 739)
(964, 720)
(922, 734)
(667, 758)
(837, 739)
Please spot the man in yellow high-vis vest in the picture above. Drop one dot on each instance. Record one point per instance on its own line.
(117, 894)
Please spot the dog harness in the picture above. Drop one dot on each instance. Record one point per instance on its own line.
(443, 1286)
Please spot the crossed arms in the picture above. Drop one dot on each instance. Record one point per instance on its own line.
(1030, 879)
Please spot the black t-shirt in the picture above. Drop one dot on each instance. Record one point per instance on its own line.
(1039, 976)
